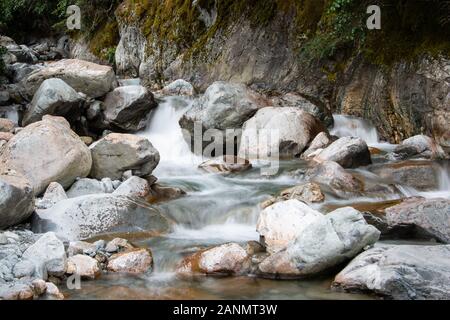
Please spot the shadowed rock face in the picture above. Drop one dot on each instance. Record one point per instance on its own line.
(399, 272)
(16, 200)
(128, 108)
(430, 218)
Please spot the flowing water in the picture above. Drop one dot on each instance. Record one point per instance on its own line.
(219, 209)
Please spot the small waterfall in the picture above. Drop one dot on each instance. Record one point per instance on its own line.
(355, 127)
(166, 136)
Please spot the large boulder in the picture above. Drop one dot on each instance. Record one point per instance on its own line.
(399, 272)
(282, 222)
(19, 71)
(117, 153)
(322, 242)
(56, 98)
(223, 106)
(349, 152)
(178, 87)
(225, 164)
(57, 154)
(86, 216)
(419, 146)
(428, 218)
(285, 130)
(16, 200)
(129, 107)
(227, 259)
(47, 256)
(92, 79)
(421, 175)
(318, 110)
(333, 178)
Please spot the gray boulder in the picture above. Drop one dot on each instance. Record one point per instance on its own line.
(87, 216)
(349, 152)
(117, 153)
(419, 146)
(223, 106)
(322, 242)
(129, 107)
(87, 186)
(56, 98)
(178, 87)
(92, 79)
(133, 187)
(16, 200)
(421, 175)
(428, 218)
(47, 255)
(406, 272)
(320, 142)
(335, 179)
(285, 130)
(318, 110)
(53, 194)
(58, 154)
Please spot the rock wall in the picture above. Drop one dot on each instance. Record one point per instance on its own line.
(205, 41)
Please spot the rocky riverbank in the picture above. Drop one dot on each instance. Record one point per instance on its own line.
(78, 166)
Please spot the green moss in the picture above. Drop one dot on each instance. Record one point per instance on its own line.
(105, 40)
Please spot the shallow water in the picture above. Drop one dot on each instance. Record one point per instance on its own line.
(219, 209)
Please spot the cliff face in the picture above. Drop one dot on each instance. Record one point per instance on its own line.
(285, 46)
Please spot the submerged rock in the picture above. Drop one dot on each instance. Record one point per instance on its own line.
(399, 272)
(349, 152)
(16, 200)
(160, 193)
(117, 153)
(46, 141)
(54, 97)
(128, 108)
(86, 216)
(286, 130)
(227, 259)
(226, 164)
(321, 243)
(92, 79)
(421, 175)
(429, 218)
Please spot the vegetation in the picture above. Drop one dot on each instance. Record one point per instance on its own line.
(2, 63)
(328, 26)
